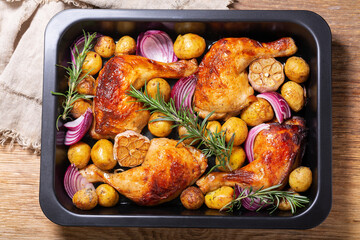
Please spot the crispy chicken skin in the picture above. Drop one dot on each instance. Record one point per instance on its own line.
(115, 111)
(222, 84)
(277, 151)
(165, 173)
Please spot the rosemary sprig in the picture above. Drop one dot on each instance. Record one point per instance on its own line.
(74, 72)
(214, 143)
(268, 196)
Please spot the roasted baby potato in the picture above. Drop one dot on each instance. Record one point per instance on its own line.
(294, 94)
(85, 199)
(125, 46)
(189, 27)
(102, 155)
(79, 154)
(108, 196)
(192, 198)
(237, 159)
(213, 127)
(86, 85)
(266, 74)
(297, 69)
(159, 128)
(105, 46)
(92, 63)
(235, 126)
(219, 198)
(257, 112)
(182, 131)
(189, 46)
(164, 88)
(284, 205)
(79, 108)
(300, 179)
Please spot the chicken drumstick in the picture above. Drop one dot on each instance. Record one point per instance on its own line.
(114, 110)
(222, 84)
(166, 171)
(277, 151)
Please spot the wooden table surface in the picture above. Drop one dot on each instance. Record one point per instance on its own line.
(21, 216)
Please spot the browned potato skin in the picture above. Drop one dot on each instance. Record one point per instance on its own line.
(102, 155)
(213, 127)
(182, 131)
(92, 62)
(79, 154)
(189, 27)
(300, 179)
(164, 88)
(105, 46)
(125, 46)
(85, 199)
(192, 198)
(294, 95)
(189, 46)
(284, 205)
(219, 198)
(159, 128)
(86, 86)
(235, 126)
(108, 197)
(297, 69)
(79, 108)
(237, 159)
(257, 112)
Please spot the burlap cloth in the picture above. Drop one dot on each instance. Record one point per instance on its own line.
(22, 25)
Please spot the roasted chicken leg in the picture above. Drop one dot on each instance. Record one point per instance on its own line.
(222, 84)
(277, 151)
(114, 110)
(166, 171)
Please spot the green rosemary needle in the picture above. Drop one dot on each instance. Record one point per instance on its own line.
(74, 71)
(214, 143)
(269, 196)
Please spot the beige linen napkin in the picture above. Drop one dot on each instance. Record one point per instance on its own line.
(22, 25)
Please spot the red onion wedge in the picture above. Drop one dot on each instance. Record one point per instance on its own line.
(251, 204)
(279, 104)
(79, 44)
(78, 128)
(74, 181)
(156, 45)
(249, 142)
(183, 91)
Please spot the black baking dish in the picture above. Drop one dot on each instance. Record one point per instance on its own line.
(313, 37)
